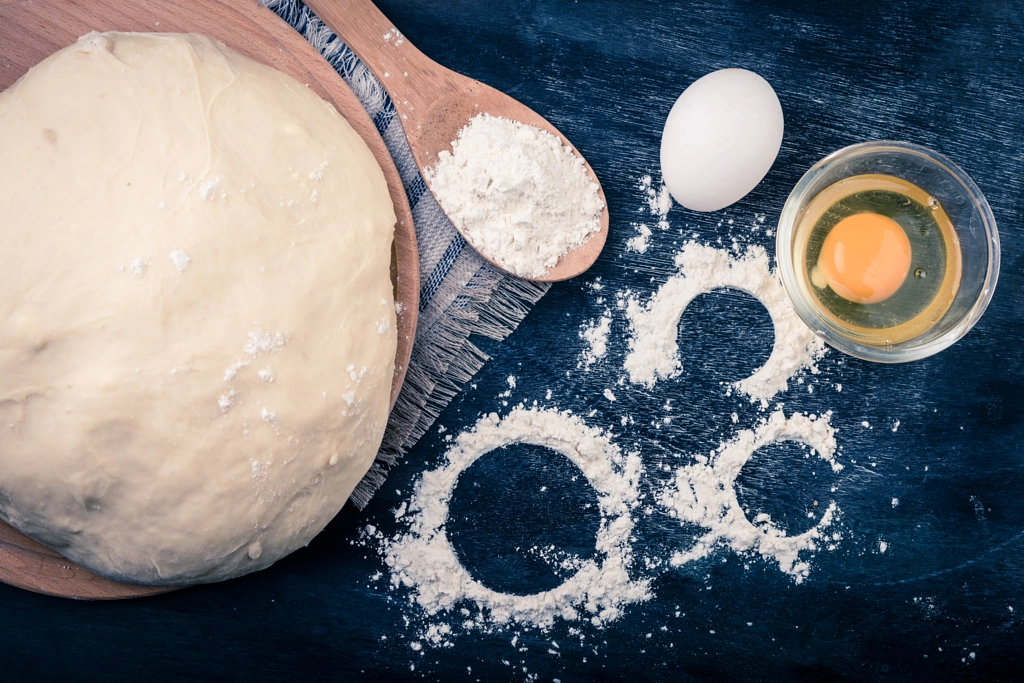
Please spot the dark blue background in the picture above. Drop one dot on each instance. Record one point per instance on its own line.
(949, 75)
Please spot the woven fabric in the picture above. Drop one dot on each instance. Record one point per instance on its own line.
(460, 293)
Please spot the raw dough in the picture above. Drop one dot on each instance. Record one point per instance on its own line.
(197, 327)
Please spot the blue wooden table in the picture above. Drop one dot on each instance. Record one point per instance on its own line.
(944, 601)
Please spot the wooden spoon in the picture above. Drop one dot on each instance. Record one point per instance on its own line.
(435, 103)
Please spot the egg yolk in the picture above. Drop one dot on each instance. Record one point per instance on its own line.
(865, 258)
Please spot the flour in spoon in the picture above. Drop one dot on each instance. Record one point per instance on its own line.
(519, 196)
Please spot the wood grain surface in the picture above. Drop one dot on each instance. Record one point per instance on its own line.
(944, 602)
(31, 30)
(434, 103)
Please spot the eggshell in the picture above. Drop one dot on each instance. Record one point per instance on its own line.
(720, 139)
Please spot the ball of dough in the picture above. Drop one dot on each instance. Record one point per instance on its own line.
(197, 325)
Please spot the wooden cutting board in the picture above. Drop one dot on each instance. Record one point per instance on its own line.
(31, 30)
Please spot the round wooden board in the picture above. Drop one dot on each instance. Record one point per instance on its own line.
(31, 30)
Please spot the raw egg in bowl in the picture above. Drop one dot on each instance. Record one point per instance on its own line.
(888, 250)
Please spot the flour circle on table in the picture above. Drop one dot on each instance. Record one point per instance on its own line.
(423, 558)
(654, 326)
(704, 494)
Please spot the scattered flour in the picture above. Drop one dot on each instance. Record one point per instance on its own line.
(595, 334)
(394, 34)
(518, 195)
(318, 172)
(653, 348)
(701, 494)
(231, 371)
(639, 243)
(259, 342)
(659, 202)
(227, 400)
(263, 342)
(137, 268)
(208, 188)
(423, 559)
(180, 260)
(704, 494)
(259, 470)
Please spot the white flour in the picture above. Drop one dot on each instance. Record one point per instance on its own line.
(180, 260)
(138, 266)
(518, 195)
(659, 202)
(422, 558)
(231, 371)
(639, 243)
(700, 495)
(704, 494)
(261, 341)
(653, 348)
(596, 337)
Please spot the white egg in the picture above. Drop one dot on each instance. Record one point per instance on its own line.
(720, 139)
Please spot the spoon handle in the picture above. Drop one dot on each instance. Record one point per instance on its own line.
(411, 79)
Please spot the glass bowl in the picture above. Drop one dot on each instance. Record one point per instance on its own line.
(963, 203)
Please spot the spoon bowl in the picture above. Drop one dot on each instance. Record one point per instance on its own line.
(435, 103)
